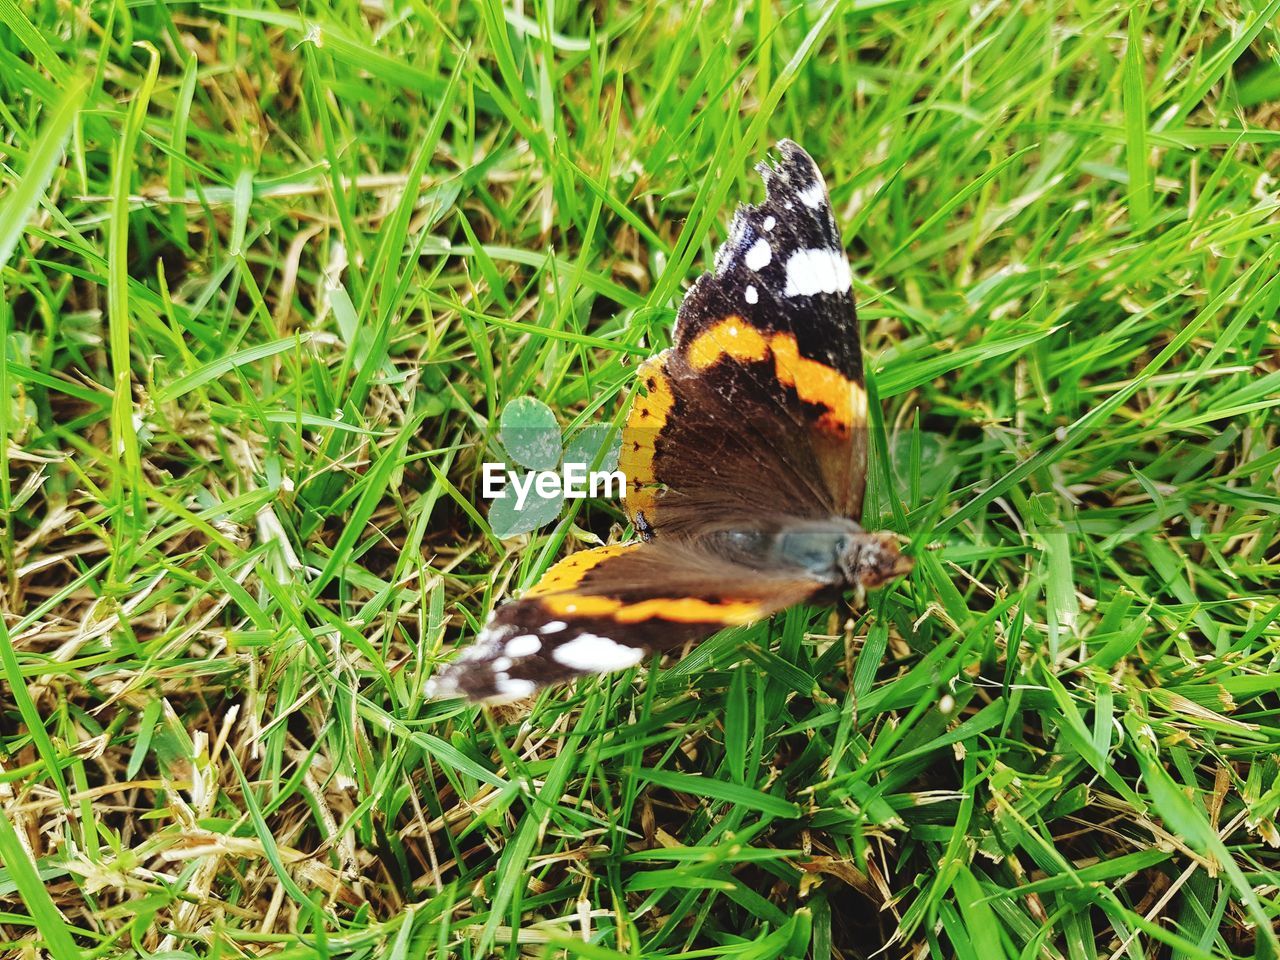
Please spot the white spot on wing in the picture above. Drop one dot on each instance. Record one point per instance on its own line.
(512, 689)
(817, 271)
(595, 654)
(439, 687)
(491, 634)
(812, 196)
(769, 222)
(483, 649)
(522, 646)
(759, 255)
(553, 626)
(752, 297)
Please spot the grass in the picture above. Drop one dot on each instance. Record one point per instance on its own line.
(270, 272)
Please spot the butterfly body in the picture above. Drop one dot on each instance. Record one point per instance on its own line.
(836, 552)
(745, 457)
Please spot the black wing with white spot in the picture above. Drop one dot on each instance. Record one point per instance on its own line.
(606, 609)
(783, 268)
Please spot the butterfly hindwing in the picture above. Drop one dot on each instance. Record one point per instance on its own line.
(701, 450)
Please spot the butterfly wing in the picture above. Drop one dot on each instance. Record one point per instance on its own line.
(761, 400)
(608, 608)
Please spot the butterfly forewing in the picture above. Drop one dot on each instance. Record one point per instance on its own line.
(764, 383)
(608, 608)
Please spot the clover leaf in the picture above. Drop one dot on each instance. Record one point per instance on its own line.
(530, 436)
(530, 433)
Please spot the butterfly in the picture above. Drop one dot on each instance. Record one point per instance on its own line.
(744, 452)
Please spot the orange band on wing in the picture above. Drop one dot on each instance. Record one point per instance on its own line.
(677, 610)
(731, 337)
(648, 415)
(691, 610)
(555, 592)
(576, 606)
(814, 381)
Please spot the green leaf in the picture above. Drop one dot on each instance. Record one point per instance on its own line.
(595, 440)
(52, 927)
(225, 364)
(22, 198)
(270, 849)
(11, 670)
(1135, 123)
(904, 377)
(922, 458)
(509, 516)
(530, 433)
(980, 920)
(735, 793)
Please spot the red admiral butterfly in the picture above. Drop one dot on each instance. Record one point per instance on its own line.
(745, 456)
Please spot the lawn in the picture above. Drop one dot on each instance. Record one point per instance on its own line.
(272, 271)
